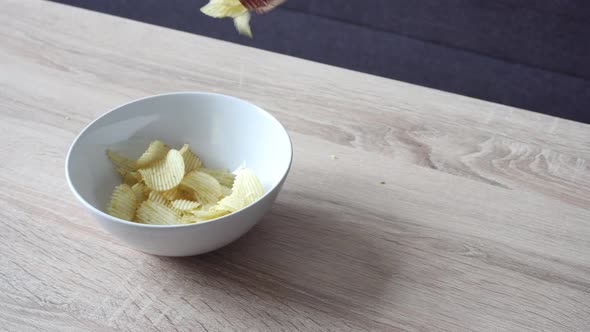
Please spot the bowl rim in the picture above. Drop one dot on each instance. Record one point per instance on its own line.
(224, 218)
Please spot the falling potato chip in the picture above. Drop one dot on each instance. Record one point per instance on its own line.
(233, 9)
(185, 205)
(155, 213)
(122, 163)
(206, 188)
(191, 161)
(156, 151)
(224, 8)
(123, 203)
(236, 10)
(242, 25)
(223, 176)
(166, 173)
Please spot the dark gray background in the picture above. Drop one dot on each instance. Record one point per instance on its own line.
(532, 54)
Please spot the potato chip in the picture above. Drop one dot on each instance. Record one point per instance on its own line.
(242, 25)
(223, 176)
(131, 178)
(122, 163)
(195, 216)
(191, 161)
(206, 188)
(154, 213)
(185, 205)
(172, 194)
(166, 173)
(233, 202)
(141, 192)
(156, 151)
(246, 189)
(248, 185)
(156, 196)
(123, 203)
(226, 191)
(224, 8)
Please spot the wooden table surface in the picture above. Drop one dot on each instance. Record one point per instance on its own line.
(439, 212)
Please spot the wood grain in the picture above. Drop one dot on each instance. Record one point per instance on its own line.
(483, 222)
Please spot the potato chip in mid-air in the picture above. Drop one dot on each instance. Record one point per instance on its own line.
(242, 25)
(155, 213)
(224, 8)
(206, 188)
(155, 152)
(123, 203)
(191, 161)
(166, 173)
(239, 10)
(172, 194)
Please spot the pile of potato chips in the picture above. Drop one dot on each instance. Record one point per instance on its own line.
(166, 187)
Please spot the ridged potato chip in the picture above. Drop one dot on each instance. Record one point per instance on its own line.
(246, 189)
(123, 203)
(206, 188)
(122, 163)
(191, 161)
(156, 196)
(223, 176)
(233, 202)
(132, 178)
(156, 151)
(166, 173)
(172, 194)
(239, 11)
(185, 205)
(141, 192)
(226, 191)
(248, 185)
(203, 215)
(155, 213)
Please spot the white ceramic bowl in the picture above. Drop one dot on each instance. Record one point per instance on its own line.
(225, 132)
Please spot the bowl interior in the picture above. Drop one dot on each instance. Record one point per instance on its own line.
(225, 132)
